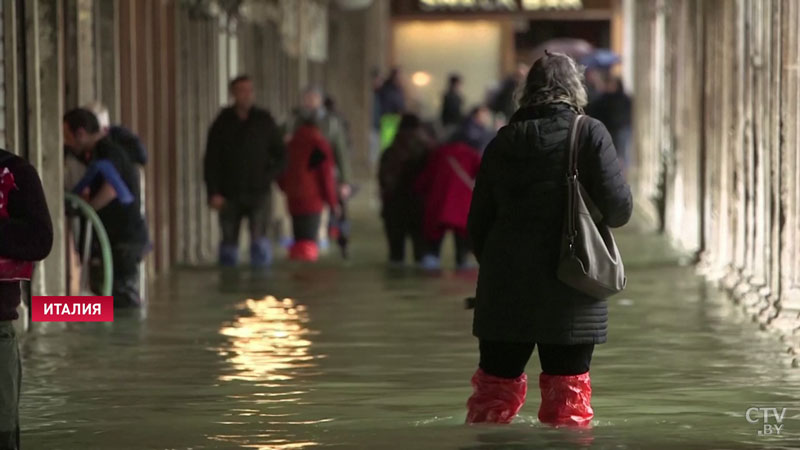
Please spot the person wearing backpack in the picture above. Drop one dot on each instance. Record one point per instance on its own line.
(111, 186)
(446, 185)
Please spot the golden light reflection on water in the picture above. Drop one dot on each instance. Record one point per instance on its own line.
(268, 341)
(276, 444)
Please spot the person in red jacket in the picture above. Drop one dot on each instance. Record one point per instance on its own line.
(446, 184)
(309, 185)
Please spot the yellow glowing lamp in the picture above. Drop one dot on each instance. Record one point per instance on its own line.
(421, 79)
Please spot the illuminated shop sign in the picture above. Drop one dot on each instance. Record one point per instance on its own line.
(498, 5)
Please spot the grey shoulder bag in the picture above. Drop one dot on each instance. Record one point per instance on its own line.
(590, 260)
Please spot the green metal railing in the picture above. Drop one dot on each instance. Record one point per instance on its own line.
(93, 225)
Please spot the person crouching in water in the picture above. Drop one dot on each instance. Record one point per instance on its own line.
(446, 185)
(515, 223)
(401, 206)
(309, 185)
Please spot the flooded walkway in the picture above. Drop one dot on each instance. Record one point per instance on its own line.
(364, 357)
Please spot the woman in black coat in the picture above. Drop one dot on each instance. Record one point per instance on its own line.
(515, 224)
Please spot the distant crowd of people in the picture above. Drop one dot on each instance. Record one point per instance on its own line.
(309, 158)
(427, 170)
(428, 174)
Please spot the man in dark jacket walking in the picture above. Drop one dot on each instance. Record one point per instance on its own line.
(26, 235)
(245, 153)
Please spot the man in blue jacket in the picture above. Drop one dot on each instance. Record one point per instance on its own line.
(112, 182)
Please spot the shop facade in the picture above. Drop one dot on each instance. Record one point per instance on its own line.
(486, 40)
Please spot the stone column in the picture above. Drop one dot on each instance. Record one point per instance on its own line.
(107, 54)
(358, 44)
(79, 66)
(12, 77)
(302, 43)
(45, 141)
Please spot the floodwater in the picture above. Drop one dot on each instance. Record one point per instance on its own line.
(360, 356)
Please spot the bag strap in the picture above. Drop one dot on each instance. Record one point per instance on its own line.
(462, 174)
(572, 178)
(572, 182)
(573, 145)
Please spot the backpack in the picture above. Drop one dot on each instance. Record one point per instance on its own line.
(11, 270)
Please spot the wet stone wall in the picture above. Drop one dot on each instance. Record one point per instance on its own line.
(716, 137)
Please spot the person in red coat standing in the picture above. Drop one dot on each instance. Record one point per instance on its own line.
(309, 185)
(446, 184)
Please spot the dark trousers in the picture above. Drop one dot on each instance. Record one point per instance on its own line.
(10, 380)
(397, 230)
(257, 208)
(126, 259)
(462, 248)
(125, 288)
(508, 359)
(306, 227)
(342, 222)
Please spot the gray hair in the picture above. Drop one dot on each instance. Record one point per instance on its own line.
(101, 112)
(313, 89)
(554, 78)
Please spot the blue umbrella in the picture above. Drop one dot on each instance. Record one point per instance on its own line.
(601, 58)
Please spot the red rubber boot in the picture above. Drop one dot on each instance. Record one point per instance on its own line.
(495, 399)
(304, 251)
(566, 400)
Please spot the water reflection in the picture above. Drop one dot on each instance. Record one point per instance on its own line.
(382, 361)
(267, 344)
(268, 341)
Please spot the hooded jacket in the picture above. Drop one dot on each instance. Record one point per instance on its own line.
(309, 178)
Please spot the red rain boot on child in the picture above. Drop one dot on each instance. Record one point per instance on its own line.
(495, 399)
(304, 250)
(566, 400)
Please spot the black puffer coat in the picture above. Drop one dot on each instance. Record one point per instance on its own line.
(515, 223)
(243, 157)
